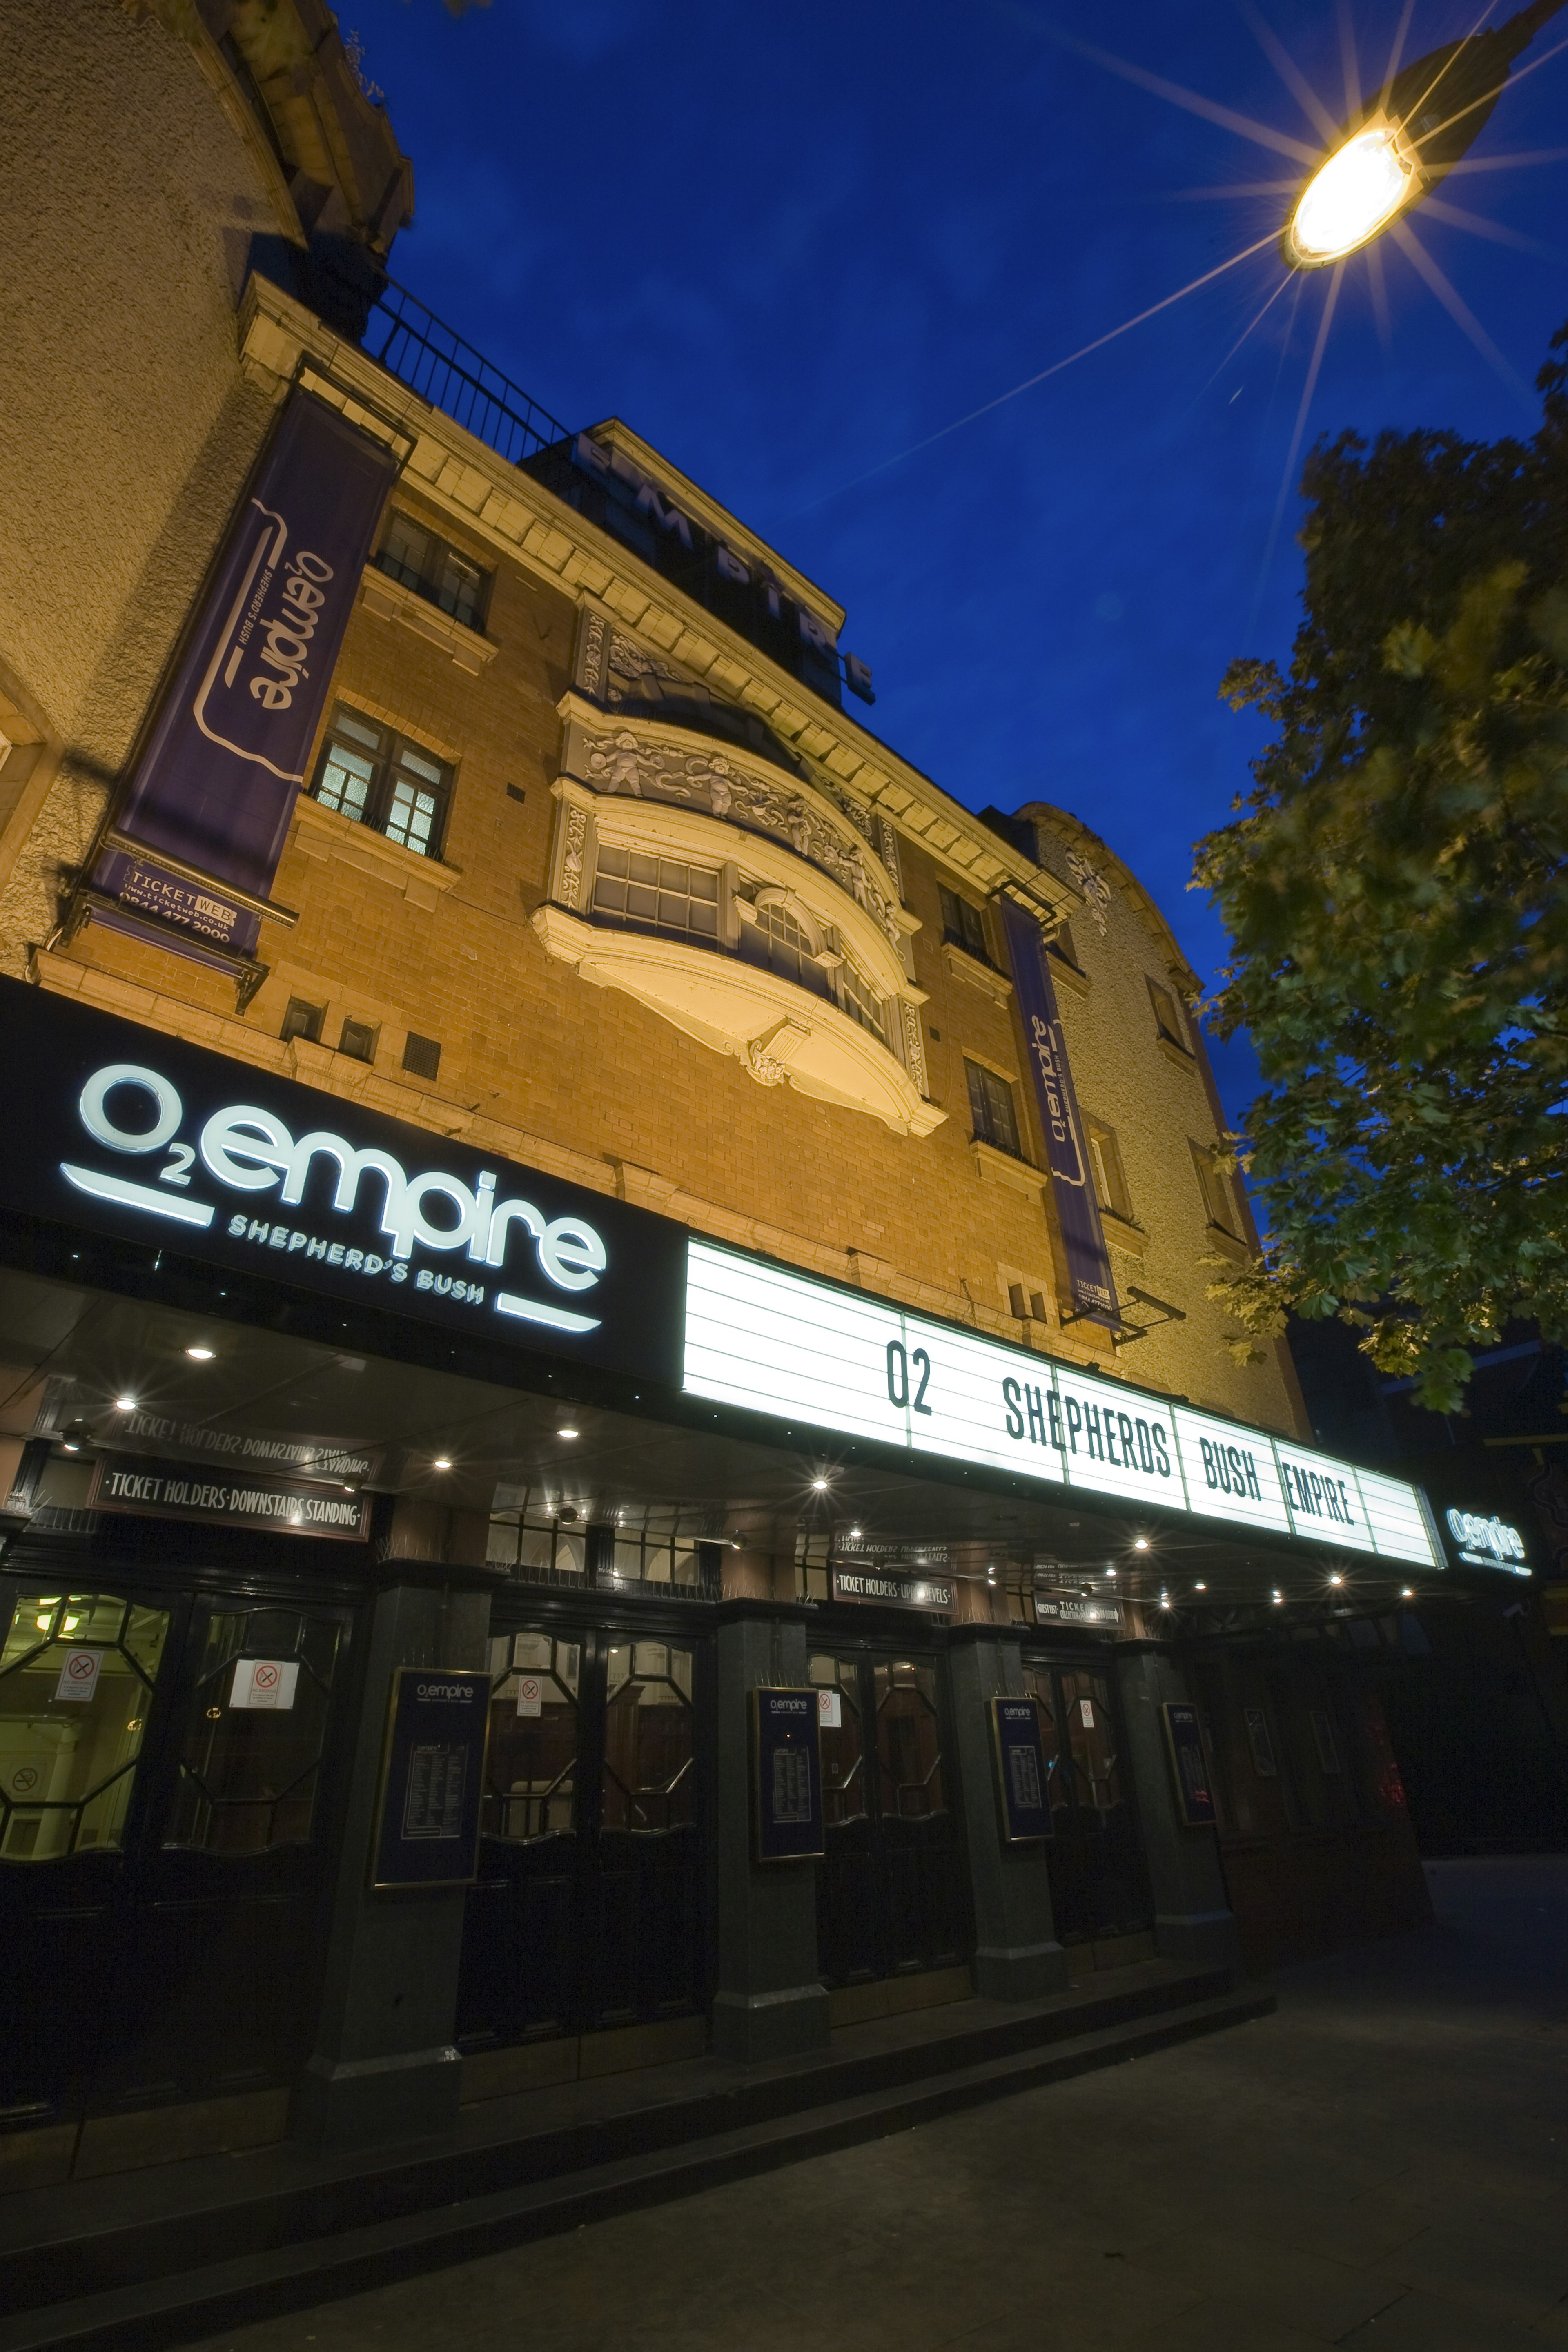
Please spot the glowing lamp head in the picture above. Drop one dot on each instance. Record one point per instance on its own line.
(1351, 195)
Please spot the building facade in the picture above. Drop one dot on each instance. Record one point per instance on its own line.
(555, 1175)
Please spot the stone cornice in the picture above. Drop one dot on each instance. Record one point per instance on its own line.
(524, 521)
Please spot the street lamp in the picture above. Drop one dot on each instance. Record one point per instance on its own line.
(1404, 142)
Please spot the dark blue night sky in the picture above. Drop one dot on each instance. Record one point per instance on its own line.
(785, 240)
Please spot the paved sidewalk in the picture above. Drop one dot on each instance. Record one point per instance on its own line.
(1384, 2165)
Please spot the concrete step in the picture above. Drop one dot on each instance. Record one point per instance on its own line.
(313, 2265)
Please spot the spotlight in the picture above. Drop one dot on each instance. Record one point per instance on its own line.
(1165, 1599)
(854, 1535)
(1279, 1600)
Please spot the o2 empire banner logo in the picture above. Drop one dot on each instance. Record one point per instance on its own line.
(142, 1136)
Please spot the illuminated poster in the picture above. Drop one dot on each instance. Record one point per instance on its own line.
(1089, 1265)
(216, 784)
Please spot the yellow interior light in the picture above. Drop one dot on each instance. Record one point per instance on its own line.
(1351, 195)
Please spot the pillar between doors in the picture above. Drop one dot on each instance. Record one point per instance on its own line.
(1193, 1917)
(384, 2065)
(1016, 1954)
(770, 2001)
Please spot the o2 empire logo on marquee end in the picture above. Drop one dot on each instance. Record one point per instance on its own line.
(144, 1136)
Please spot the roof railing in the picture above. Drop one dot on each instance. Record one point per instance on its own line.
(433, 360)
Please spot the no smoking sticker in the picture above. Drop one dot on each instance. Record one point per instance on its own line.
(829, 1709)
(263, 1682)
(25, 1781)
(530, 1695)
(79, 1674)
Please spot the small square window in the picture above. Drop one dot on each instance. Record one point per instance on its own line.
(421, 1056)
(358, 1041)
(303, 1020)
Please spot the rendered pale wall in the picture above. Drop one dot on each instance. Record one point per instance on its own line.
(127, 206)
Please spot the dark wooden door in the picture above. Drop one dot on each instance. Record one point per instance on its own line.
(589, 1906)
(892, 1890)
(162, 1858)
(1097, 1885)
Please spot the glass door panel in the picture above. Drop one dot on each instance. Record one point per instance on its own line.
(589, 1906)
(892, 1893)
(221, 1943)
(522, 1930)
(77, 1674)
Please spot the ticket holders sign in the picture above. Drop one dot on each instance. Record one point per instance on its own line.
(1021, 1784)
(786, 1775)
(432, 1779)
(1189, 1766)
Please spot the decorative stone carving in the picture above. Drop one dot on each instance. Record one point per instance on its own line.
(624, 761)
(1095, 888)
(762, 1064)
(914, 1043)
(887, 850)
(571, 858)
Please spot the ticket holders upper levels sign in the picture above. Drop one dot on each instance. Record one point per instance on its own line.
(149, 1140)
(216, 784)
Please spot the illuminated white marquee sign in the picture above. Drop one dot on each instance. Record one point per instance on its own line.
(776, 1342)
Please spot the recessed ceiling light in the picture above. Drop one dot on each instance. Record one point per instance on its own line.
(567, 1432)
(1110, 1571)
(1336, 1579)
(442, 1461)
(1200, 1588)
(200, 1355)
(125, 1404)
(854, 1535)
(1408, 1592)
(1139, 1543)
(1279, 1600)
(1165, 1599)
(819, 1486)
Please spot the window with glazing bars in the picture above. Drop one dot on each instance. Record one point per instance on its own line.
(965, 924)
(656, 893)
(861, 1002)
(992, 1110)
(378, 778)
(415, 557)
(784, 944)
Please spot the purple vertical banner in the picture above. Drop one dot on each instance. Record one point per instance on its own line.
(215, 784)
(1072, 1187)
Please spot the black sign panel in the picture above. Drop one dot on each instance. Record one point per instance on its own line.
(1020, 1770)
(174, 1490)
(1189, 1766)
(143, 1137)
(1071, 1609)
(885, 1588)
(786, 1775)
(432, 1779)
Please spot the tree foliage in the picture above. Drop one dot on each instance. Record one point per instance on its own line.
(1395, 893)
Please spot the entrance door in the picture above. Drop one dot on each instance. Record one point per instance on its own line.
(1097, 1888)
(893, 1891)
(588, 1909)
(161, 1862)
